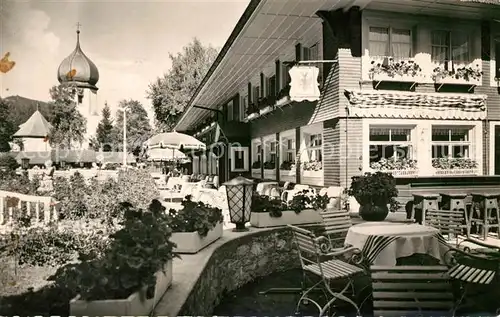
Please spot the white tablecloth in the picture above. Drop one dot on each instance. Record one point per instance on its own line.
(411, 239)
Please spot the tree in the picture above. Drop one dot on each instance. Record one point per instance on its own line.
(171, 93)
(7, 127)
(68, 124)
(138, 127)
(105, 138)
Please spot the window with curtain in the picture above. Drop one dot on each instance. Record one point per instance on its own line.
(390, 143)
(388, 41)
(314, 147)
(271, 152)
(450, 46)
(451, 142)
(289, 150)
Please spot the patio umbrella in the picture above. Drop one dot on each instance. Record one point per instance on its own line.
(159, 154)
(174, 140)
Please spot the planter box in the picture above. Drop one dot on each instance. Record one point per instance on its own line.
(288, 176)
(134, 305)
(460, 81)
(397, 78)
(318, 174)
(192, 242)
(256, 173)
(457, 171)
(270, 174)
(399, 173)
(289, 217)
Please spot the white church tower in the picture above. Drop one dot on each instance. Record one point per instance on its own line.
(80, 72)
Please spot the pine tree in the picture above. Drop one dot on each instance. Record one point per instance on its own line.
(104, 132)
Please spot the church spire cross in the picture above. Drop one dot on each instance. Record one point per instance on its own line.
(78, 25)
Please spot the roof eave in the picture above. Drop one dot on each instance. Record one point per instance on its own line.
(234, 34)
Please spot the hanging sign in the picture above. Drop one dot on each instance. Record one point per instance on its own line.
(304, 83)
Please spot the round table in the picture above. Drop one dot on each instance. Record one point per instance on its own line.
(410, 239)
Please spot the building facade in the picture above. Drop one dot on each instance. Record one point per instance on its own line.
(407, 87)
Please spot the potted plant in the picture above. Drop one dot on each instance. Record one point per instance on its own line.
(374, 192)
(394, 70)
(256, 169)
(195, 226)
(133, 273)
(304, 208)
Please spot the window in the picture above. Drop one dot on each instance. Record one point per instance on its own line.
(230, 111)
(271, 151)
(384, 41)
(390, 143)
(315, 147)
(450, 46)
(289, 150)
(244, 107)
(271, 86)
(256, 94)
(451, 142)
(312, 54)
(239, 159)
(497, 57)
(286, 75)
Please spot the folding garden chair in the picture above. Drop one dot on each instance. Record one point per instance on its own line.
(450, 223)
(326, 266)
(411, 291)
(336, 224)
(472, 268)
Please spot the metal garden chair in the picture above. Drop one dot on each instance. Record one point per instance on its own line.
(411, 291)
(326, 266)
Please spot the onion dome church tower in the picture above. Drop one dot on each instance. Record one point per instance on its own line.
(81, 73)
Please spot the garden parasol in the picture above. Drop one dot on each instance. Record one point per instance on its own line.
(166, 155)
(175, 140)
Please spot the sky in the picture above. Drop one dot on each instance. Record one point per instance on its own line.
(129, 41)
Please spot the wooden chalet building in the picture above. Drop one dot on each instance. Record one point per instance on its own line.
(407, 86)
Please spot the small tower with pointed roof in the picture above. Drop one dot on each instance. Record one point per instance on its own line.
(34, 133)
(81, 73)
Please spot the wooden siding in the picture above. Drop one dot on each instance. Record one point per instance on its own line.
(331, 152)
(290, 117)
(351, 149)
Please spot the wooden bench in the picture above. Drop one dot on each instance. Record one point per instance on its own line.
(411, 291)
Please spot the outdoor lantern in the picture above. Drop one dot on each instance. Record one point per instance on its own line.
(25, 163)
(239, 192)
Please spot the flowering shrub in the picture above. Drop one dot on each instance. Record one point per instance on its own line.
(287, 166)
(393, 69)
(269, 165)
(19, 183)
(393, 164)
(467, 73)
(312, 166)
(256, 164)
(135, 253)
(194, 217)
(454, 163)
(137, 187)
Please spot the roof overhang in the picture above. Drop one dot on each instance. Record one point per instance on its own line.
(269, 27)
(263, 34)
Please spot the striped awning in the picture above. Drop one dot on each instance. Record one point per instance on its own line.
(410, 105)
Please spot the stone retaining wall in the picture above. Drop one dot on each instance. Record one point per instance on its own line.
(237, 263)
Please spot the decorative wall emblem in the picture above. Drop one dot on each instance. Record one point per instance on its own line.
(304, 83)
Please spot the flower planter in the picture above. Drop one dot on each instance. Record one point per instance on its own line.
(312, 178)
(289, 217)
(288, 175)
(265, 110)
(256, 173)
(457, 171)
(458, 81)
(397, 78)
(134, 305)
(252, 116)
(270, 174)
(399, 173)
(192, 242)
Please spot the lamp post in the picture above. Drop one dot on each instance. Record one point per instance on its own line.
(239, 193)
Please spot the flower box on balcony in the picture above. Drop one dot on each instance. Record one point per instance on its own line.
(465, 75)
(388, 69)
(312, 173)
(399, 173)
(288, 217)
(288, 175)
(457, 171)
(458, 81)
(397, 78)
(256, 173)
(269, 173)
